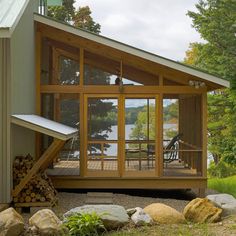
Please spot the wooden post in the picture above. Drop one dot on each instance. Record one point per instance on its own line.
(159, 135)
(38, 55)
(121, 135)
(204, 134)
(82, 122)
(84, 159)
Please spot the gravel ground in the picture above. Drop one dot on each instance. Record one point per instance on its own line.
(128, 199)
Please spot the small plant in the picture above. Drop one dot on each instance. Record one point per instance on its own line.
(85, 224)
(221, 170)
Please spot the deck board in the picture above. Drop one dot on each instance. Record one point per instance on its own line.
(71, 168)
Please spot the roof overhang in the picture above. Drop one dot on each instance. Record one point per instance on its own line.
(132, 50)
(10, 14)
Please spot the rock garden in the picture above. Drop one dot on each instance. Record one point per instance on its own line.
(213, 215)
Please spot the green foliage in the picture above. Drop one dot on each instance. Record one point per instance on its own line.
(131, 114)
(224, 185)
(82, 19)
(85, 224)
(139, 132)
(65, 12)
(221, 170)
(215, 21)
(170, 113)
(221, 126)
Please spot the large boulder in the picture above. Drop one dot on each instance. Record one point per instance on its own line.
(201, 210)
(225, 201)
(140, 217)
(11, 223)
(164, 214)
(113, 216)
(46, 223)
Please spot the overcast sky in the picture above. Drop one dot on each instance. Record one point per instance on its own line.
(158, 26)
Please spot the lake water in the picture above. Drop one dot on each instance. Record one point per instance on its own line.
(113, 135)
(112, 150)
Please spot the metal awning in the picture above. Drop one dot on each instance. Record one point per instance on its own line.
(45, 126)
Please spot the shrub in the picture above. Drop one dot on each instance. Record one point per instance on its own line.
(84, 224)
(221, 170)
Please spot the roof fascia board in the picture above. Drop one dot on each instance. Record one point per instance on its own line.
(5, 33)
(134, 51)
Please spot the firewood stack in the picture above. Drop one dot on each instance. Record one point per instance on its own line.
(39, 189)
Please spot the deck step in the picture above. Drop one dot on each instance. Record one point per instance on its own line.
(99, 198)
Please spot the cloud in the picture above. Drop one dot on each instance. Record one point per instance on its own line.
(160, 27)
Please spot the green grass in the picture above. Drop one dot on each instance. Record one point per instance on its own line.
(166, 230)
(224, 185)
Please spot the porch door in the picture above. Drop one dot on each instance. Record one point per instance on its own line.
(101, 119)
(140, 134)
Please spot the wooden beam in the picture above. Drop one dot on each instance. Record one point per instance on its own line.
(38, 56)
(113, 89)
(41, 164)
(115, 54)
(82, 122)
(204, 134)
(84, 162)
(159, 135)
(69, 182)
(121, 133)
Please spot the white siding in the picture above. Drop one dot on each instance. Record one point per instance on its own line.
(23, 80)
(17, 95)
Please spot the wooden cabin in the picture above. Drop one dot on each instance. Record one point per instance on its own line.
(142, 118)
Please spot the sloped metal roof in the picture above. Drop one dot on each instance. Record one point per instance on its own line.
(132, 50)
(10, 13)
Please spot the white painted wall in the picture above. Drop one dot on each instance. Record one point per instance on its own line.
(23, 80)
(17, 95)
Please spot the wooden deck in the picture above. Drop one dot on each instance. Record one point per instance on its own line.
(71, 168)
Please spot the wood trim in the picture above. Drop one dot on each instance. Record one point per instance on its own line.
(128, 183)
(73, 56)
(138, 174)
(81, 66)
(103, 173)
(114, 89)
(129, 55)
(38, 56)
(121, 137)
(204, 134)
(56, 66)
(85, 134)
(159, 135)
(82, 136)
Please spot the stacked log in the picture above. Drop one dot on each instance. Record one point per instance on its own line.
(39, 189)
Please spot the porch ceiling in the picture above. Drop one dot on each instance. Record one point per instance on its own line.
(143, 65)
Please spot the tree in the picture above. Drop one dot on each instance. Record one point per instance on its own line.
(82, 19)
(64, 13)
(140, 130)
(215, 21)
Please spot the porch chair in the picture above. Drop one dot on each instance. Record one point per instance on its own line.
(170, 152)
